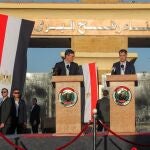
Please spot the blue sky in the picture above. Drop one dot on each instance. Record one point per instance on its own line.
(142, 64)
(43, 59)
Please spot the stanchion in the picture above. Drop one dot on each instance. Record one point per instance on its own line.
(94, 128)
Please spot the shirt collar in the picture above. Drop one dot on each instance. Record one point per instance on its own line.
(4, 98)
(123, 63)
(66, 63)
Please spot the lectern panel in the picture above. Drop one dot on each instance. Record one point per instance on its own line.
(68, 118)
(122, 114)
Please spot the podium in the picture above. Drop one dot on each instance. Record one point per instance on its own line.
(68, 103)
(122, 102)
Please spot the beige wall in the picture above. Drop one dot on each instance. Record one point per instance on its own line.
(99, 43)
(100, 1)
(88, 44)
(106, 48)
(78, 11)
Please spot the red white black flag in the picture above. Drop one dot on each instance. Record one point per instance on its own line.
(91, 89)
(14, 38)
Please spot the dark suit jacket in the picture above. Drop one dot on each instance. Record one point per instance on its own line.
(22, 112)
(103, 109)
(60, 69)
(6, 111)
(130, 69)
(35, 114)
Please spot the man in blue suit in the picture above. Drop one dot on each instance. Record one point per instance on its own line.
(123, 66)
(67, 66)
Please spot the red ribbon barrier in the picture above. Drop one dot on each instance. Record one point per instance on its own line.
(123, 139)
(10, 142)
(75, 138)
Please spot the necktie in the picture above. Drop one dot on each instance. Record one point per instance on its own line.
(122, 67)
(68, 67)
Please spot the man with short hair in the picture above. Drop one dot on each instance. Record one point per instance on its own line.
(103, 109)
(5, 113)
(19, 113)
(123, 66)
(35, 116)
(67, 66)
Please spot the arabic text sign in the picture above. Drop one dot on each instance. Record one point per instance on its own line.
(91, 27)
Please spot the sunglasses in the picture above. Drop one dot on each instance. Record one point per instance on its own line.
(16, 92)
(4, 92)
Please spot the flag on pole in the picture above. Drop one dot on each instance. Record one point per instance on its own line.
(14, 39)
(91, 89)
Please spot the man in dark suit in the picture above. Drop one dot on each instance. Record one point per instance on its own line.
(35, 116)
(5, 113)
(19, 113)
(67, 66)
(103, 110)
(123, 66)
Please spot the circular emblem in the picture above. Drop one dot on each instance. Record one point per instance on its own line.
(67, 97)
(122, 95)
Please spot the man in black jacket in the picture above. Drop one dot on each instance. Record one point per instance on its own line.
(67, 66)
(103, 110)
(5, 113)
(19, 113)
(35, 116)
(123, 66)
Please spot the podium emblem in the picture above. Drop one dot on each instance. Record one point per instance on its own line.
(122, 95)
(68, 97)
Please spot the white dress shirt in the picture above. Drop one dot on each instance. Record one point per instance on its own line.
(17, 107)
(67, 69)
(122, 69)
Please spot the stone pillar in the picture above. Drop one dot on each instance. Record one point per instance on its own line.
(106, 44)
(102, 50)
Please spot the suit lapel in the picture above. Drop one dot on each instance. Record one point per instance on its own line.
(3, 101)
(127, 66)
(33, 108)
(118, 66)
(63, 68)
(70, 69)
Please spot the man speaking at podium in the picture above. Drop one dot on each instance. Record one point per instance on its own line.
(67, 66)
(123, 66)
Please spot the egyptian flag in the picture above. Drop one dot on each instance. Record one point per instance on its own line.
(14, 38)
(91, 89)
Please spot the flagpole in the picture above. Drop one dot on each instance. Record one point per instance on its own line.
(94, 128)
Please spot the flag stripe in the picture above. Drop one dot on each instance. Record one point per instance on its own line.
(20, 67)
(87, 85)
(10, 45)
(9, 51)
(14, 38)
(3, 24)
(91, 89)
(94, 87)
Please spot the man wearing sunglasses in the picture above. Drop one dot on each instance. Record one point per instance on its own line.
(19, 113)
(5, 113)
